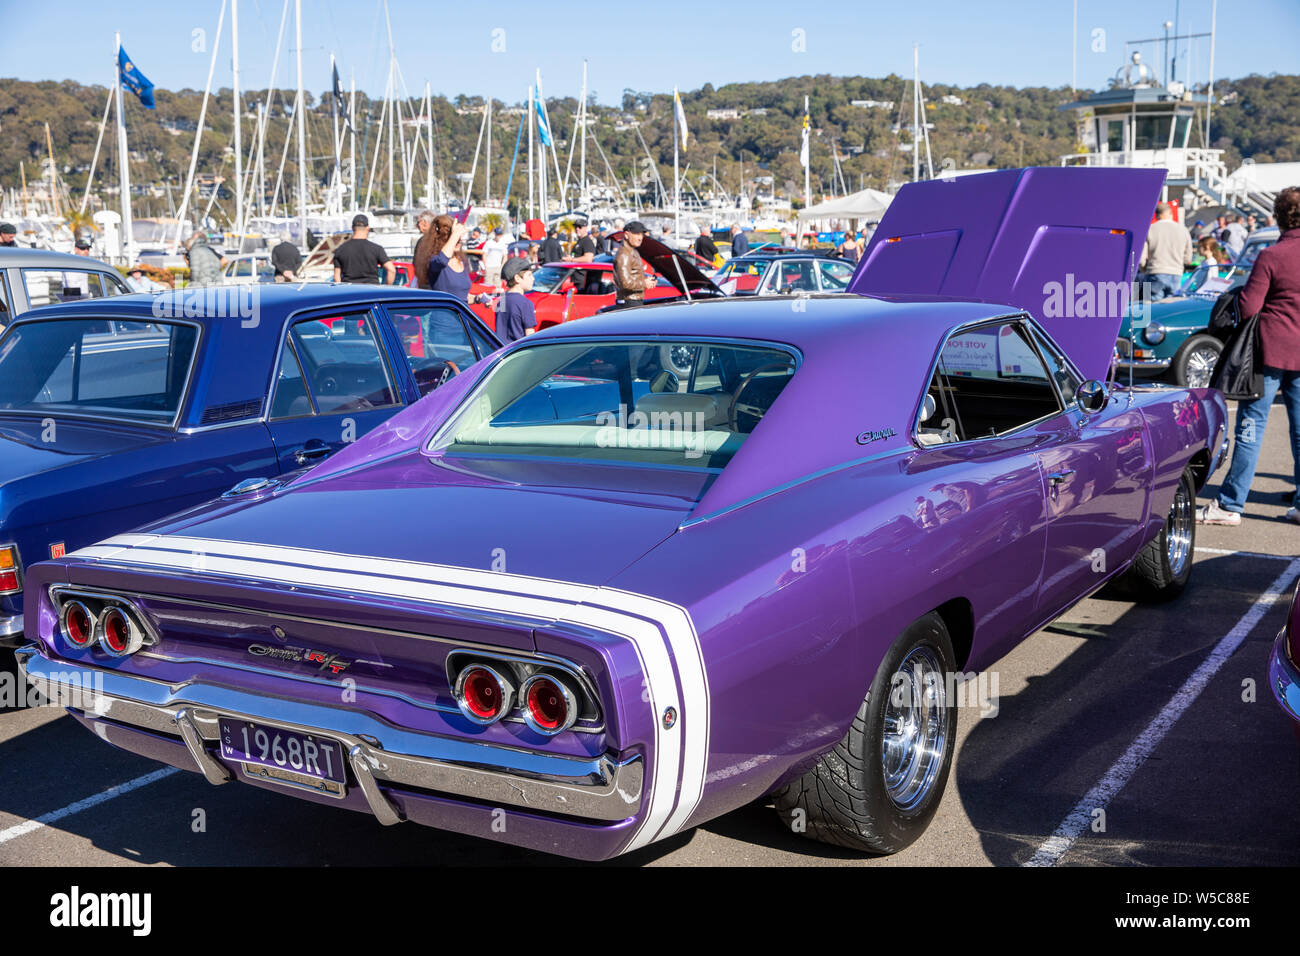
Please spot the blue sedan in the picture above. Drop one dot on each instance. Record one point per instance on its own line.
(116, 412)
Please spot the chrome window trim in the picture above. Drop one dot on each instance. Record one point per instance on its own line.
(1017, 317)
(200, 342)
(269, 402)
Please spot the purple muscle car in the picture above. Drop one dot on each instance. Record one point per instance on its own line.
(579, 601)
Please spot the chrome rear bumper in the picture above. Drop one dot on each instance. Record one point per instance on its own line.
(378, 752)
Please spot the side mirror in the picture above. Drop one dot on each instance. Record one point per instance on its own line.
(1092, 396)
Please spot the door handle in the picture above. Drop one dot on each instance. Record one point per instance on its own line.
(310, 453)
(1059, 477)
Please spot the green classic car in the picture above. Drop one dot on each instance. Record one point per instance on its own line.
(1170, 338)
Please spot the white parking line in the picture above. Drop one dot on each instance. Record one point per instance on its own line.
(1114, 780)
(30, 826)
(1245, 554)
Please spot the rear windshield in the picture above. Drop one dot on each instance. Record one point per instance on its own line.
(686, 403)
(100, 367)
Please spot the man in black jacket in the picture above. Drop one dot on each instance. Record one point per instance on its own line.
(286, 260)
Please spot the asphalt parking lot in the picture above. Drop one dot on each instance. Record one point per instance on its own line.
(1124, 734)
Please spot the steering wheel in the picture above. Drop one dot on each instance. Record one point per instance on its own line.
(753, 411)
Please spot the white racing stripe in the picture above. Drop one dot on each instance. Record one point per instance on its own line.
(654, 627)
(1114, 780)
(112, 793)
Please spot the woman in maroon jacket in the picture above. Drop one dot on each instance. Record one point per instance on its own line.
(1273, 290)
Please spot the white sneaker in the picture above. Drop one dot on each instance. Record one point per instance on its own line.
(1213, 514)
(1293, 514)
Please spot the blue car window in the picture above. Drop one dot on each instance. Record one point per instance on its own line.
(342, 364)
(91, 367)
(291, 399)
(434, 340)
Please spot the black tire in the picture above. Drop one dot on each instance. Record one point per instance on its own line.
(1195, 359)
(844, 799)
(1162, 568)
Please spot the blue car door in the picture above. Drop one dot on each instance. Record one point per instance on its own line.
(335, 380)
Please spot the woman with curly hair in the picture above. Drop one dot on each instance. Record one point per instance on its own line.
(448, 269)
(1272, 291)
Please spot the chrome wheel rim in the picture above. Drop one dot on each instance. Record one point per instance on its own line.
(1178, 532)
(915, 735)
(1200, 366)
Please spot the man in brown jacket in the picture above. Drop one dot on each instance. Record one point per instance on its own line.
(630, 280)
(1273, 291)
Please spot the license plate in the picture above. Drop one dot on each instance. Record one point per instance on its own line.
(284, 756)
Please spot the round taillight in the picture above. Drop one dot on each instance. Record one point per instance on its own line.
(117, 634)
(550, 706)
(78, 624)
(483, 694)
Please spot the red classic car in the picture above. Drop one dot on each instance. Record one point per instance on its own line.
(563, 291)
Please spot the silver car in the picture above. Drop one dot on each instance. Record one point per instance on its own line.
(30, 278)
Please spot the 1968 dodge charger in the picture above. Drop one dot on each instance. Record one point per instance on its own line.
(578, 602)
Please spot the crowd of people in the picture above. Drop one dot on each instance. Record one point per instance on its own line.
(1173, 249)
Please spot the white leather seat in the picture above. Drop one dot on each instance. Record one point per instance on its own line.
(676, 408)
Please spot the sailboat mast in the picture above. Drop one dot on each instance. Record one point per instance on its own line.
(582, 153)
(916, 114)
(301, 112)
(487, 168)
(239, 142)
(123, 170)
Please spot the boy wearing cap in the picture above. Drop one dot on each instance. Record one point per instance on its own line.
(359, 259)
(516, 316)
(630, 280)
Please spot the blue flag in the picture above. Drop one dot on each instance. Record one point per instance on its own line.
(543, 128)
(133, 79)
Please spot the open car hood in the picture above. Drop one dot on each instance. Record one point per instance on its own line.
(1062, 243)
(667, 262)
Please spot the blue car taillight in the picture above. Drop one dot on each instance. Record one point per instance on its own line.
(11, 570)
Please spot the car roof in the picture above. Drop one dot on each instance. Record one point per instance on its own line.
(31, 258)
(221, 302)
(238, 356)
(807, 322)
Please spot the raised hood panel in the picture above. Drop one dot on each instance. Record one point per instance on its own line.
(1062, 243)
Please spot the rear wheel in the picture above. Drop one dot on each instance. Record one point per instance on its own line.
(1162, 569)
(1194, 361)
(879, 787)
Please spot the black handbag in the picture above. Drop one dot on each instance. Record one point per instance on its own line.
(1238, 373)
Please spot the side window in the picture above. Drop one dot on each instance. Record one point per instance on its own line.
(6, 310)
(434, 342)
(989, 381)
(291, 399)
(342, 365)
(243, 267)
(835, 275)
(482, 341)
(1066, 380)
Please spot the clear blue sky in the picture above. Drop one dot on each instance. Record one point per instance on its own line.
(647, 46)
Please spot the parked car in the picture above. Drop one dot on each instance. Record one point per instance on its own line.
(31, 278)
(1284, 665)
(580, 604)
(118, 412)
(248, 269)
(771, 274)
(1172, 339)
(564, 291)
